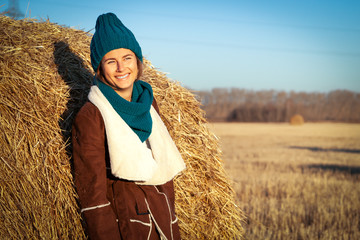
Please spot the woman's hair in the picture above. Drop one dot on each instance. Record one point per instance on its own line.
(100, 74)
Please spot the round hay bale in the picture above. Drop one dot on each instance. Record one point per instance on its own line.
(45, 78)
(297, 120)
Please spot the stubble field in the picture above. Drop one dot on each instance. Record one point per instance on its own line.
(294, 182)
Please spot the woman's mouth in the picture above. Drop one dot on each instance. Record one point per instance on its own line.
(123, 76)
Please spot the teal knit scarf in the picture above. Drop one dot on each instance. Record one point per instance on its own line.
(135, 113)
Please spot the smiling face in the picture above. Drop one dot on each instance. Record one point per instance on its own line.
(119, 69)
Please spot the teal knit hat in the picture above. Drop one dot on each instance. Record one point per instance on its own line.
(111, 33)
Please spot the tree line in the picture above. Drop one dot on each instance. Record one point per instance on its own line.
(241, 105)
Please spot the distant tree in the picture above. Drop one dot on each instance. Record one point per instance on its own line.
(242, 105)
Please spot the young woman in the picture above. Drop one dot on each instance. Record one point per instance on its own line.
(124, 157)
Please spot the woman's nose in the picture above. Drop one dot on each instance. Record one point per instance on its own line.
(120, 66)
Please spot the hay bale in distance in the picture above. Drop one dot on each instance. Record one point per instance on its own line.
(45, 77)
(297, 120)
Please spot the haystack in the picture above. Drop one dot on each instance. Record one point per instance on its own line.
(45, 77)
(297, 120)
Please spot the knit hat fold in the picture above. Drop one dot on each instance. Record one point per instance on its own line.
(111, 33)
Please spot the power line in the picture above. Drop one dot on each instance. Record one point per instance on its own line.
(257, 48)
(147, 13)
(259, 23)
(13, 10)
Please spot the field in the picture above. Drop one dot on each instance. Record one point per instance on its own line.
(294, 182)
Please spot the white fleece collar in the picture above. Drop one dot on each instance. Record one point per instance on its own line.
(131, 159)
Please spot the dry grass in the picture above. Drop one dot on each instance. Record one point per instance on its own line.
(295, 182)
(45, 76)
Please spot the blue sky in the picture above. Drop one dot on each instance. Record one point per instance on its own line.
(293, 45)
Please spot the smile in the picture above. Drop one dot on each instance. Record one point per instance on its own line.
(122, 77)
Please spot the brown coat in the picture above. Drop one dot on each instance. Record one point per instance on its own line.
(115, 208)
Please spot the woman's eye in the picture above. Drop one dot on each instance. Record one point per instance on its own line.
(111, 61)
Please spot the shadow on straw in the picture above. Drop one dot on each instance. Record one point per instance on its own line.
(78, 78)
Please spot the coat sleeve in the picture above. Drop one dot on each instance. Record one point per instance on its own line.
(88, 138)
